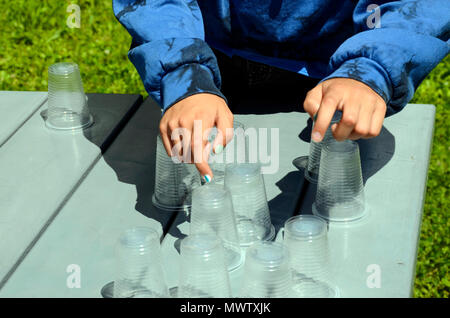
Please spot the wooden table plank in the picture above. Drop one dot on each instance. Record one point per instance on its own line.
(395, 166)
(39, 168)
(283, 187)
(114, 196)
(15, 109)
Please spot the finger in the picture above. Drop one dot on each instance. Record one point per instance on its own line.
(163, 130)
(199, 141)
(203, 167)
(362, 127)
(312, 101)
(225, 133)
(350, 118)
(377, 120)
(327, 108)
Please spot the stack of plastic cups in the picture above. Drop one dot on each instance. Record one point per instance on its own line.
(212, 212)
(139, 272)
(305, 237)
(203, 272)
(267, 273)
(340, 191)
(315, 149)
(248, 193)
(67, 103)
(234, 152)
(174, 182)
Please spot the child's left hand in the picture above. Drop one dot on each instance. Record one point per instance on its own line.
(363, 109)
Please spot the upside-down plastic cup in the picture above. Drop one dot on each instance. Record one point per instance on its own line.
(340, 190)
(305, 237)
(266, 271)
(174, 182)
(236, 151)
(248, 193)
(67, 103)
(212, 211)
(203, 272)
(315, 149)
(139, 272)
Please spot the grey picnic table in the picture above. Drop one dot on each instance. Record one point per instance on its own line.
(93, 190)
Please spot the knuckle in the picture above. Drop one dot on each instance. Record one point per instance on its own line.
(172, 124)
(349, 119)
(362, 130)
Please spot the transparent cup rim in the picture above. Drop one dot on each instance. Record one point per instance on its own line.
(143, 236)
(189, 245)
(267, 263)
(344, 147)
(63, 68)
(307, 235)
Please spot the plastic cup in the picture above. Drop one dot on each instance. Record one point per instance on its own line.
(305, 237)
(235, 152)
(139, 272)
(174, 182)
(248, 193)
(212, 211)
(340, 191)
(315, 149)
(266, 271)
(203, 273)
(67, 103)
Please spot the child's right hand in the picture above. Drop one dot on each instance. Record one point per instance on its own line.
(211, 111)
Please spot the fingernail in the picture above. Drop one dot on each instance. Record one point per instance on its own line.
(207, 178)
(316, 136)
(218, 149)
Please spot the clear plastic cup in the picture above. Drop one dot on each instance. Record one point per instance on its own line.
(203, 272)
(315, 149)
(340, 191)
(67, 103)
(235, 152)
(248, 193)
(139, 272)
(174, 182)
(305, 237)
(266, 271)
(212, 211)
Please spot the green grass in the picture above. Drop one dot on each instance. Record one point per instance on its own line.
(34, 35)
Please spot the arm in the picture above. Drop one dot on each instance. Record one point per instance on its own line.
(179, 70)
(391, 60)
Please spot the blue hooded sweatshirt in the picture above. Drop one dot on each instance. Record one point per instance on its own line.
(389, 45)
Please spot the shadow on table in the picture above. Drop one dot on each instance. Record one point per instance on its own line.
(132, 157)
(375, 153)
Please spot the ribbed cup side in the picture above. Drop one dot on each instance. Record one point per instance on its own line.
(315, 149)
(340, 191)
(267, 271)
(203, 272)
(139, 265)
(310, 267)
(174, 182)
(212, 211)
(236, 151)
(67, 105)
(249, 199)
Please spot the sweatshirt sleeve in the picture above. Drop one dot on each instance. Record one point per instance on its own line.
(168, 48)
(394, 54)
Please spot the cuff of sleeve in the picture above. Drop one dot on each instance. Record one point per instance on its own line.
(187, 80)
(370, 73)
